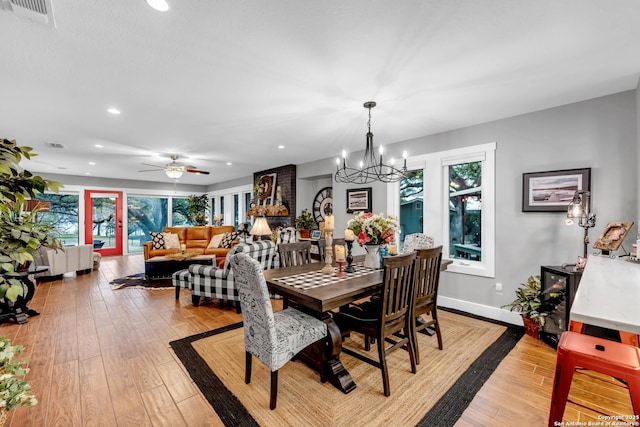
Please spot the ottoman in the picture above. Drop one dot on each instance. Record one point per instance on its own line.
(180, 279)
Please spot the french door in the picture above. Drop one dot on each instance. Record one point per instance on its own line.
(103, 221)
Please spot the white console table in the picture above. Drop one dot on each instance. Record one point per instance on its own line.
(609, 297)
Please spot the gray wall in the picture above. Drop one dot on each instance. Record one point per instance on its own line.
(600, 133)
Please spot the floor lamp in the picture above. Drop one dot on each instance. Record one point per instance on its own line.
(579, 208)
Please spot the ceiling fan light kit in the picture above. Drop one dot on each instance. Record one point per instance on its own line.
(175, 170)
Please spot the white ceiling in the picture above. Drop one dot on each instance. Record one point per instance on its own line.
(230, 80)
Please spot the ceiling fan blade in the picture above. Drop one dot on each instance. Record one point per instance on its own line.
(150, 170)
(160, 167)
(198, 171)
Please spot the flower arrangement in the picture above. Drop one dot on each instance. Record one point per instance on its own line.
(14, 390)
(372, 229)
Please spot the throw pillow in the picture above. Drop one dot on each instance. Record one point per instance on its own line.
(171, 241)
(157, 240)
(215, 241)
(228, 239)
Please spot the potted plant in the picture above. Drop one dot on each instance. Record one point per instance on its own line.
(20, 232)
(197, 207)
(14, 390)
(305, 223)
(531, 305)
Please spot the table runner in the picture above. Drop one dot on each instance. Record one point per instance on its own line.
(314, 279)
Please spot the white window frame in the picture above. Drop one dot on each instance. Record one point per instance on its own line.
(436, 202)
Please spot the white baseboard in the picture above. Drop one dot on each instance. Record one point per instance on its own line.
(481, 310)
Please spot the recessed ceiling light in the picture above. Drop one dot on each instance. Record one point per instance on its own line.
(87, 173)
(113, 111)
(92, 163)
(280, 147)
(229, 163)
(159, 5)
(98, 145)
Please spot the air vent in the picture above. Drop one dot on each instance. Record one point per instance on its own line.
(35, 10)
(55, 145)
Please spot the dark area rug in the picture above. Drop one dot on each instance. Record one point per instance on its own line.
(138, 281)
(445, 412)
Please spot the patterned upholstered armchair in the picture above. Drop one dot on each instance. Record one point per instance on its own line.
(416, 241)
(274, 338)
(213, 282)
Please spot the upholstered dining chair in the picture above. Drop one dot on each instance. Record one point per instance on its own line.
(416, 241)
(386, 317)
(292, 254)
(426, 281)
(274, 338)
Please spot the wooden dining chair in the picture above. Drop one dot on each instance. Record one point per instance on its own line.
(384, 318)
(426, 280)
(274, 338)
(322, 245)
(292, 254)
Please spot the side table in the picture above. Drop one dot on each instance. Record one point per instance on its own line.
(18, 310)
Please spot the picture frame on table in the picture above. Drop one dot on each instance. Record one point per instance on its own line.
(359, 199)
(315, 234)
(552, 191)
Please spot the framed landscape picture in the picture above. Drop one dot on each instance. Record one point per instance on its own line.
(552, 191)
(359, 199)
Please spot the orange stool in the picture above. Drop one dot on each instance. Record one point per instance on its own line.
(612, 358)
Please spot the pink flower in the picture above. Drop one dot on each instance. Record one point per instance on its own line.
(367, 215)
(387, 236)
(363, 238)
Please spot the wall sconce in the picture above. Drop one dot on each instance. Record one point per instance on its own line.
(579, 208)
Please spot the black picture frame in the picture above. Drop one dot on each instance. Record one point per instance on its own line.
(359, 200)
(552, 191)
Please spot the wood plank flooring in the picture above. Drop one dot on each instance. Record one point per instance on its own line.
(100, 357)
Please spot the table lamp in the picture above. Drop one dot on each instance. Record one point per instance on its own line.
(260, 227)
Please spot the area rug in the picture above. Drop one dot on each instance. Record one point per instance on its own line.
(139, 281)
(436, 395)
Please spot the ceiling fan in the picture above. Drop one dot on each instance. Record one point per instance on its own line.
(174, 170)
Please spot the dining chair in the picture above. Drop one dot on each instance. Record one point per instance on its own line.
(322, 245)
(426, 280)
(416, 241)
(384, 318)
(292, 254)
(274, 338)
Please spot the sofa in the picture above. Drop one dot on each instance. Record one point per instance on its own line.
(70, 259)
(195, 239)
(214, 282)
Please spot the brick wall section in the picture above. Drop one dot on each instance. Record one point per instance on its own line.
(285, 178)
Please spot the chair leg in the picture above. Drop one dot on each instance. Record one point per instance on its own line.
(247, 367)
(274, 390)
(178, 292)
(414, 335)
(238, 309)
(367, 343)
(412, 346)
(434, 314)
(383, 366)
(561, 386)
(195, 299)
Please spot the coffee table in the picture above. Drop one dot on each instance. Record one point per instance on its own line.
(162, 267)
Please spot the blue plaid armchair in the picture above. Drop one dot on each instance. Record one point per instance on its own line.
(213, 282)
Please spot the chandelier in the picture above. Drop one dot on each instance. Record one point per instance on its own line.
(371, 168)
(174, 171)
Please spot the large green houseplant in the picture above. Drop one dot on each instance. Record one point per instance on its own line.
(20, 232)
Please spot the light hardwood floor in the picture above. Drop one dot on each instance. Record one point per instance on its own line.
(100, 357)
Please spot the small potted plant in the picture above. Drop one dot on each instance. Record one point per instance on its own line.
(305, 223)
(531, 305)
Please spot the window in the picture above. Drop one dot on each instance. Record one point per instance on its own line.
(411, 199)
(145, 214)
(179, 216)
(458, 205)
(63, 215)
(236, 206)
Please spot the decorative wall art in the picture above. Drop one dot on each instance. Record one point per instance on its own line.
(359, 199)
(265, 189)
(552, 191)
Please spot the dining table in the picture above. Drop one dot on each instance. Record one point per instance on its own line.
(608, 296)
(309, 289)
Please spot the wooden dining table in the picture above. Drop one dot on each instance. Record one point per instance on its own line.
(319, 294)
(608, 297)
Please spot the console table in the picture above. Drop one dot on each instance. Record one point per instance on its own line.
(18, 310)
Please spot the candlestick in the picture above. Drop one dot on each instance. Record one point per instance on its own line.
(339, 250)
(393, 249)
(328, 258)
(349, 268)
(329, 223)
(340, 273)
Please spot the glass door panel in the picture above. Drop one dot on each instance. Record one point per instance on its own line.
(103, 221)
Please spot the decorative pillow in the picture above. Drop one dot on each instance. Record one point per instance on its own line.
(157, 240)
(215, 241)
(171, 241)
(227, 239)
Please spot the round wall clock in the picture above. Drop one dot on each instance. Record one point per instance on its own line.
(322, 204)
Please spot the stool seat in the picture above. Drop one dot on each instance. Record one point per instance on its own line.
(615, 359)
